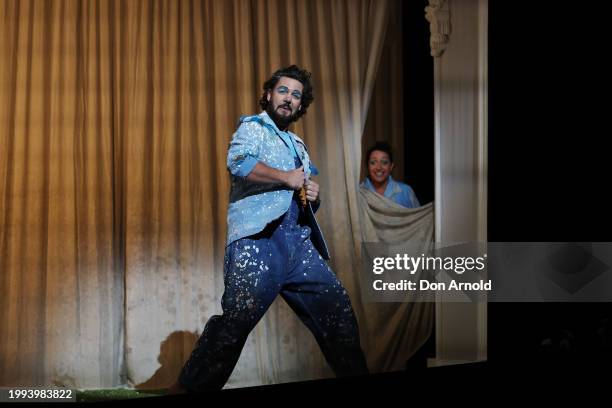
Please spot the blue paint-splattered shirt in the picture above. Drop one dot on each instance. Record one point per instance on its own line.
(252, 206)
(396, 191)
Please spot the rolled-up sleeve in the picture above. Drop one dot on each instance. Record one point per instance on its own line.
(243, 150)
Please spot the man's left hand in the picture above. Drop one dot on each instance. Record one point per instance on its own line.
(312, 191)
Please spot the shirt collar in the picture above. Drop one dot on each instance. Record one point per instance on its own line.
(390, 187)
(288, 137)
(266, 118)
(388, 190)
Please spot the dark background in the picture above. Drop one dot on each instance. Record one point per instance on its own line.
(418, 102)
(419, 165)
(549, 168)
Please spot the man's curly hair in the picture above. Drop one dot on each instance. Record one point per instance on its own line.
(296, 73)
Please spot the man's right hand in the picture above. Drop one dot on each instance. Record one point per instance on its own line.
(295, 178)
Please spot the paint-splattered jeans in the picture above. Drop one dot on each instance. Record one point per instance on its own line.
(280, 259)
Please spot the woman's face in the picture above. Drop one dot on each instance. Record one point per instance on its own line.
(379, 166)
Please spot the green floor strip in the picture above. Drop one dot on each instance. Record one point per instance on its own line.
(115, 394)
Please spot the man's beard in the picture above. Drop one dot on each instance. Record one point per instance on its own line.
(282, 122)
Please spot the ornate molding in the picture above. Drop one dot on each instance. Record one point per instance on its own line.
(438, 15)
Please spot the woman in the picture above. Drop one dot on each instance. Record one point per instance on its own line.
(380, 164)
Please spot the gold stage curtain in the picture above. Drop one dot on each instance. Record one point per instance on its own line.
(115, 118)
(385, 120)
(61, 238)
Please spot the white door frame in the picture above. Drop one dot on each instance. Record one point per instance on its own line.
(459, 46)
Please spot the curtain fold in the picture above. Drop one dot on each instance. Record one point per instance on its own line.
(62, 285)
(115, 118)
(396, 330)
(385, 112)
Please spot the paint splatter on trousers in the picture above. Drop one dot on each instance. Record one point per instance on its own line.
(279, 260)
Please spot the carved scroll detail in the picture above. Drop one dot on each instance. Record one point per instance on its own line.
(438, 15)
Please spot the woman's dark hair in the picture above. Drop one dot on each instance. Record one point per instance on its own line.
(296, 73)
(380, 146)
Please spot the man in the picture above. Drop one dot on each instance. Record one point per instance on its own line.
(274, 245)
